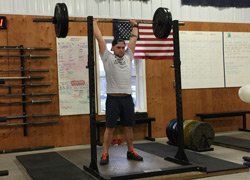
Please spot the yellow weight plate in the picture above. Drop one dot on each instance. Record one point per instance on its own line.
(187, 127)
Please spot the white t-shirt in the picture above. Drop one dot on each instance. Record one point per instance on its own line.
(118, 71)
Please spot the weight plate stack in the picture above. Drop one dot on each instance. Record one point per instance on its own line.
(201, 136)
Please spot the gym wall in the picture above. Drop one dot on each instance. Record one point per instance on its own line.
(74, 130)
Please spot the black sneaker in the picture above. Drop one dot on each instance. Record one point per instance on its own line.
(104, 159)
(133, 155)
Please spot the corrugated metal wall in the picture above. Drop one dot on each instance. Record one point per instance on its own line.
(126, 9)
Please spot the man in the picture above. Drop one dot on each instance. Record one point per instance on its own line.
(119, 103)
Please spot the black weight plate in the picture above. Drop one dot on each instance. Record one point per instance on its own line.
(175, 131)
(66, 21)
(169, 129)
(61, 20)
(162, 23)
(201, 136)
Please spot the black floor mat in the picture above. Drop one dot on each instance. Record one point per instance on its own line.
(51, 166)
(212, 164)
(229, 141)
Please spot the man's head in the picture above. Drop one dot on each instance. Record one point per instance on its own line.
(118, 46)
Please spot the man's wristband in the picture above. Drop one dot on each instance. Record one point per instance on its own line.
(136, 26)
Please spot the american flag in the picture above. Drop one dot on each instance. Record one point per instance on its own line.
(149, 47)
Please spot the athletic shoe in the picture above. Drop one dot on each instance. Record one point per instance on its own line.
(104, 159)
(133, 155)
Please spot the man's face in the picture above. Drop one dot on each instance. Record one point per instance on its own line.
(119, 49)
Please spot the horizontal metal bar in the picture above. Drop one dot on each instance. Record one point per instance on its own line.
(24, 102)
(25, 77)
(32, 94)
(43, 20)
(27, 56)
(21, 48)
(5, 118)
(123, 21)
(101, 21)
(30, 123)
(23, 85)
(27, 70)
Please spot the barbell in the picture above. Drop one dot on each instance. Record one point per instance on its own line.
(162, 21)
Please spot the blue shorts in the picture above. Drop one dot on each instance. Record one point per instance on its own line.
(120, 107)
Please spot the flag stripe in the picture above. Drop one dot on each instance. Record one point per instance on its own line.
(154, 57)
(154, 51)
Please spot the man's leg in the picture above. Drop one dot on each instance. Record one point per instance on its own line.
(131, 154)
(108, 137)
(128, 131)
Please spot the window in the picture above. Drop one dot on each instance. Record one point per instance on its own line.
(138, 82)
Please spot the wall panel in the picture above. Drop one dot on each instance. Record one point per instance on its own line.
(127, 9)
(74, 130)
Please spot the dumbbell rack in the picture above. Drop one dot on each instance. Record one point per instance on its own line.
(22, 70)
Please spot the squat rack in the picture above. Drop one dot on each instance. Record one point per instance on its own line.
(180, 157)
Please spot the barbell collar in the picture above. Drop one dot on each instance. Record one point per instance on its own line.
(181, 24)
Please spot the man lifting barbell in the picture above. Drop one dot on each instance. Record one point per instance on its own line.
(119, 103)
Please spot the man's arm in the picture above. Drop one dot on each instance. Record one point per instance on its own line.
(133, 36)
(98, 36)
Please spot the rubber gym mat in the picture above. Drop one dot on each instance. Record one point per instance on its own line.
(51, 166)
(212, 164)
(233, 142)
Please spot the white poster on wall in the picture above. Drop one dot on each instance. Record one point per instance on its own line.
(72, 58)
(237, 58)
(201, 59)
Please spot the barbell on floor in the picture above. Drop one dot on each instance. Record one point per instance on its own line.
(162, 21)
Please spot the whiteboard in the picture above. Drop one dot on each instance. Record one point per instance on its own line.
(201, 55)
(72, 58)
(237, 58)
